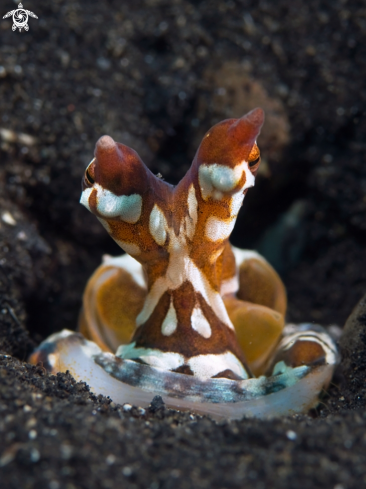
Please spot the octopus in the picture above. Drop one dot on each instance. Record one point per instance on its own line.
(184, 314)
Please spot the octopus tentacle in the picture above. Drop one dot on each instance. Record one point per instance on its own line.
(285, 391)
(113, 298)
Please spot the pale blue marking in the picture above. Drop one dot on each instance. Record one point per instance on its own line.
(126, 207)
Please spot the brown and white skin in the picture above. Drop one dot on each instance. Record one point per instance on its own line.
(187, 301)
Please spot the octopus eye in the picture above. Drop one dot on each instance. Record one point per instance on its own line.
(254, 162)
(89, 178)
(89, 175)
(254, 156)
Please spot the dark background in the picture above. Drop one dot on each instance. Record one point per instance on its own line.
(156, 75)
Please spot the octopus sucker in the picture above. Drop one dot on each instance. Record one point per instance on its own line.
(183, 314)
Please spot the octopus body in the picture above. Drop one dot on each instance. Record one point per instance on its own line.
(183, 314)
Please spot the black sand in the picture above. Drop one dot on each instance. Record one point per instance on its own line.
(156, 75)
